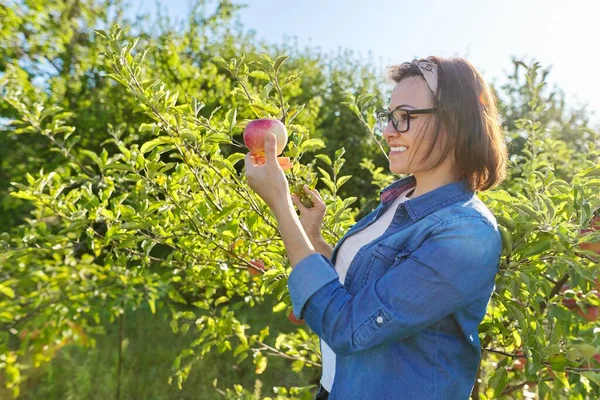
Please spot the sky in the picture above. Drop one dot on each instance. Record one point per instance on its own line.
(560, 34)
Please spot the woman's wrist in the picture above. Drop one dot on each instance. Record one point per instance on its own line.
(315, 236)
(321, 245)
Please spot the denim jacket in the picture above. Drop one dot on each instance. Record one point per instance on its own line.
(404, 325)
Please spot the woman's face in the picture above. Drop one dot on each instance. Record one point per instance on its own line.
(412, 93)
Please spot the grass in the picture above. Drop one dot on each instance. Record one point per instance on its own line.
(151, 346)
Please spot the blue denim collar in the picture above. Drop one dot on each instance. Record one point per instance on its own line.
(429, 202)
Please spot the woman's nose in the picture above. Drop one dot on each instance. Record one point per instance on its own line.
(389, 130)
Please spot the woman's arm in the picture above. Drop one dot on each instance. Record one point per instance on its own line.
(297, 244)
(322, 246)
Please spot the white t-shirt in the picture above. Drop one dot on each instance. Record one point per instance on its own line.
(344, 257)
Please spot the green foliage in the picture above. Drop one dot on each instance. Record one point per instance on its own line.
(127, 191)
(111, 231)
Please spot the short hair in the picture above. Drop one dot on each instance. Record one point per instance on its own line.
(467, 109)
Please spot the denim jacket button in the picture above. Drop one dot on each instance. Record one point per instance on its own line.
(379, 319)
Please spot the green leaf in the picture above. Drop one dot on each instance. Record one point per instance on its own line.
(7, 291)
(64, 129)
(298, 365)
(349, 200)
(218, 138)
(152, 304)
(101, 33)
(261, 363)
(593, 182)
(592, 376)
(221, 300)
(278, 62)
(267, 58)
(235, 157)
(147, 128)
(279, 307)
(525, 210)
(219, 61)
(242, 347)
(325, 158)
(263, 333)
(175, 296)
(558, 362)
(293, 77)
(148, 146)
(184, 328)
(506, 240)
(93, 156)
(226, 212)
(260, 75)
(340, 152)
(312, 144)
(498, 381)
(343, 179)
(591, 171)
(230, 119)
(538, 247)
(586, 350)
(551, 208)
(337, 215)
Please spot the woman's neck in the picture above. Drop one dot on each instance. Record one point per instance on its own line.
(431, 181)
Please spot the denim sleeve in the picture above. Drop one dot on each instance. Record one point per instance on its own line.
(453, 267)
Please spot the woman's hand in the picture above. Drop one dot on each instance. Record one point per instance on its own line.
(311, 218)
(267, 178)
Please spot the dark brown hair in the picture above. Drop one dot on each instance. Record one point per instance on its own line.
(467, 109)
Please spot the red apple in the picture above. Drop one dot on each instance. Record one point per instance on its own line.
(590, 313)
(594, 226)
(256, 131)
(519, 363)
(259, 267)
(569, 303)
(294, 320)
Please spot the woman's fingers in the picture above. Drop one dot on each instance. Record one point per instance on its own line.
(284, 163)
(313, 192)
(260, 160)
(298, 203)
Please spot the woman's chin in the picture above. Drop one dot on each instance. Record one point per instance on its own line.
(398, 169)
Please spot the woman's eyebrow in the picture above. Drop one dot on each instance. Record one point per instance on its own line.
(402, 105)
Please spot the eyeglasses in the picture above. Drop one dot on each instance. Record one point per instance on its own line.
(400, 118)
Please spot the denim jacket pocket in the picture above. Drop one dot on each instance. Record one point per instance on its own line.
(384, 256)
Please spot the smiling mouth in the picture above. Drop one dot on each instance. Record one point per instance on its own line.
(398, 150)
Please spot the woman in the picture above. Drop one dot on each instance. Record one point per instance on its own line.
(398, 302)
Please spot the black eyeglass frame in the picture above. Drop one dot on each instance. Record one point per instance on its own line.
(408, 113)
